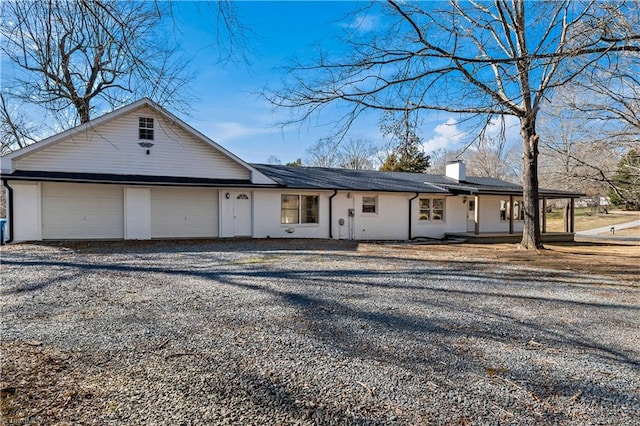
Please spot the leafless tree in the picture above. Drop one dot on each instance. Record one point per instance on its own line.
(355, 153)
(76, 53)
(494, 158)
(322, 154)
(15, 129)
(573, 154)
(587, 128)
(477, 59)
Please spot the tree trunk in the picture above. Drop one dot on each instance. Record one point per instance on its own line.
(82, 106)
(531, 236)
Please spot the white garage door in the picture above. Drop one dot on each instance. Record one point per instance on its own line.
(184, 212)
(82, 211)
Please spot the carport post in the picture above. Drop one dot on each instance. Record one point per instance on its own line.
(511, 214)
(476, 229)
(573, 216)
(544, 215)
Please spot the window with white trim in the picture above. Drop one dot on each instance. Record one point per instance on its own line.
(298, 208)
(505, 211)
(431, 209)
(145, 128)
(370, 205)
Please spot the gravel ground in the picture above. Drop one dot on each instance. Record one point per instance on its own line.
(299, 332)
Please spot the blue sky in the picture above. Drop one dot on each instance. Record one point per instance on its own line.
(229, 109)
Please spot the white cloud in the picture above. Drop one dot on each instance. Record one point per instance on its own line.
(511, 128)
(228, 130)
(447, 135)
(363, 23)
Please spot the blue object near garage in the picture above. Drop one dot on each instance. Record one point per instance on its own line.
(3, 226)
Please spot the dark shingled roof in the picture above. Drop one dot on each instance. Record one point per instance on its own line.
(300, 177)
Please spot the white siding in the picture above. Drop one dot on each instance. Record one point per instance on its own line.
(390, 222)
(184, 212)
(490, 215)
(455, 218)
(82, 211)
(266, 223)
(112, 148)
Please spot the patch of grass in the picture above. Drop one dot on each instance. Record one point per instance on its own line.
(587, 218)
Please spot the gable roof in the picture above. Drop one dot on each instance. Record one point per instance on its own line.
(7, 160)
(301, 177)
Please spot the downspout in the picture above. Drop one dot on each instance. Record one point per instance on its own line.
(410, 200)
(9, 209)
(335, 192)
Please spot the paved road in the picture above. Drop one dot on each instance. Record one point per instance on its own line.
(607, 229)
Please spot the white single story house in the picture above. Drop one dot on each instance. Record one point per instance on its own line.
(141, 173)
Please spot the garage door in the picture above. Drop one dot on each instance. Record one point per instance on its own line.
(184, 212)
(82, 211)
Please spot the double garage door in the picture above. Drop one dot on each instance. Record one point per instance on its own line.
(88, 211)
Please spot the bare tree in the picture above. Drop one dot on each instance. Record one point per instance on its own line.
(355, 153)
(322, 154)
(574, 153)
(494, 158)
(358, 153)
(481, 60)
(15, 129)
(74, 54)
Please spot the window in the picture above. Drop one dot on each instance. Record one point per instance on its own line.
(505, 213)
(296, 208)
(369, 204)
(431, 209)
(504, 207)
(145, 128)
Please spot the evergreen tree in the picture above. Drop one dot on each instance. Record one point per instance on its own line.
(625, 191)
(408, 154)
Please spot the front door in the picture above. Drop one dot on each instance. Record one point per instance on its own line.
(242, 214)
(471, 216)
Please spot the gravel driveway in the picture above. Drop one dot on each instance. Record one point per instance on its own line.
(300, 332)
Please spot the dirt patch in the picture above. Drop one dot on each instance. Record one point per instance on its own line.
(38, 382)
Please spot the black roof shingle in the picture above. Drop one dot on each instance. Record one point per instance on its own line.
(301, 177)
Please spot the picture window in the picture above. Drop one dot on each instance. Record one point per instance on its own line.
(298, 209)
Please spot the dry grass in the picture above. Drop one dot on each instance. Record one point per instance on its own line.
(629, 232)
(618, 261)
(585, 219)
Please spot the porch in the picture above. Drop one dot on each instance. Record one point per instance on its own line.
(505, 237)
(483, 228)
